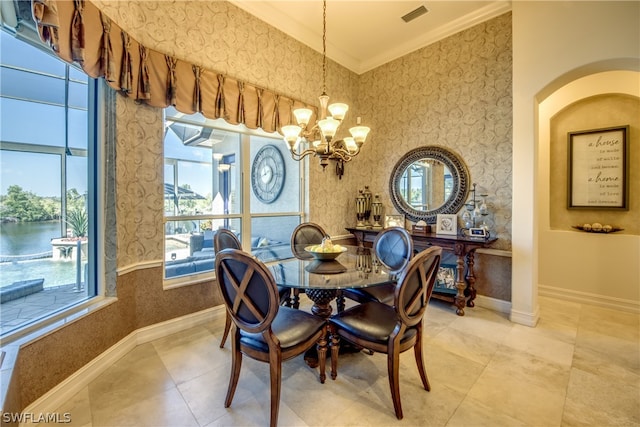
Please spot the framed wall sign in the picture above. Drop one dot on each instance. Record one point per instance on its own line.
(599, 169)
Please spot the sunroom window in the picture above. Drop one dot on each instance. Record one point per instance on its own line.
(47, 192)
(221, 176)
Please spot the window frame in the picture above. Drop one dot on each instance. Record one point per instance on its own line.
(94, 152)
(245, 216)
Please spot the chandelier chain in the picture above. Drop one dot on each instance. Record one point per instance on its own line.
(324, 47)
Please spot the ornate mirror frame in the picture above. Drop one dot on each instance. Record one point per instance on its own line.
(459, 192)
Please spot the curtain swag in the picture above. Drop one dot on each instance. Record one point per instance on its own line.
(78, 32)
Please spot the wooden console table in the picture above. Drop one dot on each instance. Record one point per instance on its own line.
(464, 249)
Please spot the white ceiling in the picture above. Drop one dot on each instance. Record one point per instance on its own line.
(362, 35)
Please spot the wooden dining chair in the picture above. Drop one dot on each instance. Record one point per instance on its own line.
(264, 330)
(305, 234)
(392, 329)
(393, 248)
(227, 239)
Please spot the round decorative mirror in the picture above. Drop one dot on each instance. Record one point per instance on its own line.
(428, 181)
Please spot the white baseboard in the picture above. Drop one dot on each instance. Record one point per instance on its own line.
(64, 391)
(494, 304)
(526, 319)
(604, 301)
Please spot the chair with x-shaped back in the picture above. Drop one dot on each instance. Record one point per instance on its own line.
(392, 329)
(393, 248)
(225, 239)
(264, 330)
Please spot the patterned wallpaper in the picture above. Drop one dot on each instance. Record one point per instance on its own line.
(455, 93)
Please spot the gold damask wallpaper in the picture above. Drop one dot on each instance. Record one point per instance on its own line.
(455, 93)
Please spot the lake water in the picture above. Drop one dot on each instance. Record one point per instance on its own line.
(28, 239)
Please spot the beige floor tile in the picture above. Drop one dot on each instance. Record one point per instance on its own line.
(206, 394)
(166, 408)
(531, 341)
(486, 324)
(525, 387)
(465, 345)
(579, 366)
(621, 354)
(135, 377)
(449, 369)
(474, 413)
(191, 354)
(594, 400)
(78, 408)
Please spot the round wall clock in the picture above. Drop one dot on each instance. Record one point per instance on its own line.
(267, 174)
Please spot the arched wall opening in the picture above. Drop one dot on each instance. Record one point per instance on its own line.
(600, 269)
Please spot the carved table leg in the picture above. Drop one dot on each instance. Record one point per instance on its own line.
(321, 307)
(460, 282)
(470, 292)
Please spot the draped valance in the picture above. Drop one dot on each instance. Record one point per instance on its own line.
(78, 32)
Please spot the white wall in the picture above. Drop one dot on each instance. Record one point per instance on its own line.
(581, 266)
(553, 44)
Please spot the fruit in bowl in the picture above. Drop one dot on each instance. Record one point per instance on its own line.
(326, 250)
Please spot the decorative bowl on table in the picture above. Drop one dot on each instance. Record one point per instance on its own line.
(325, 254)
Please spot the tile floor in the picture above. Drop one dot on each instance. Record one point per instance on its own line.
(579, 366)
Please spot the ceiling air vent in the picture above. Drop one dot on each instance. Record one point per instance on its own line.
(415, 13)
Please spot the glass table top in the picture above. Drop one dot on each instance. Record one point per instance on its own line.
(355, 268)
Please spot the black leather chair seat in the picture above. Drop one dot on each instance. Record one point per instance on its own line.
(372, 321)
(290, 325)
(383, 294)
(285, 294)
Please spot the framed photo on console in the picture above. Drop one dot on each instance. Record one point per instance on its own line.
(447, 224)
(393, 221)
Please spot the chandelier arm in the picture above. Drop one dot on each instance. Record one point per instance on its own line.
(299, 156)
(343, 155)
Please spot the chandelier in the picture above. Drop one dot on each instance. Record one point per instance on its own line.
(320, 139)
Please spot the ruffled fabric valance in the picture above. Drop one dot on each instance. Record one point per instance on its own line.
(78, 32)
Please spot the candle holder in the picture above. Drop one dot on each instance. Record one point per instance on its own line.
(364, 262)
(361, 205)
(376, 210)
(367, 205)
(474, 216)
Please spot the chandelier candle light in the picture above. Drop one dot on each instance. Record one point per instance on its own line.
(322, 134)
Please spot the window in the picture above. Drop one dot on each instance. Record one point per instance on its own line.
(47, 192)
(221, 176)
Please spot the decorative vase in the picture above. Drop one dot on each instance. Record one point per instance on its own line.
(367, 209)
(376, 210)
(360, 210)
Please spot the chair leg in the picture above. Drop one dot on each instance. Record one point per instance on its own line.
(275, 371)
(335, 348)
(393, 363)
(236, 364)
(322, 355)
(295, 300)
(227, 327)
(417, 349)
